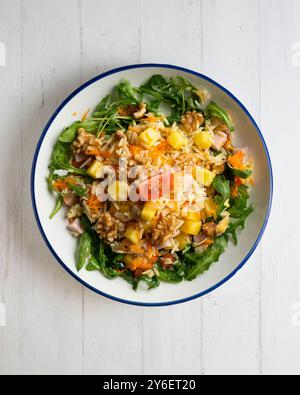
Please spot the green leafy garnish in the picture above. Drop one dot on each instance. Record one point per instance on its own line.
(239, 204)
(103, 260)
(84, 252)
(244, 174)
(176, 92)
(92, 265)
(129, 93)
(239, 211)
(213, 110)
(239, 223)
(57, 207)
(175, 274)
(222, 186)
(200, 263)
(80, 191)
(61, 159)
(70, 134)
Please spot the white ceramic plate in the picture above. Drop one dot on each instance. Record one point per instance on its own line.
(63, 245)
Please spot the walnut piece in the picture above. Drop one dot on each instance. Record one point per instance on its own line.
(209, 229)
(110, 228)
(87, 143)
(192, 121)
(140, 112)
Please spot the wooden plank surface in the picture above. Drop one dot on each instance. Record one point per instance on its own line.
(52, 324)
(280, 117)
(231, 316)
(51, 301)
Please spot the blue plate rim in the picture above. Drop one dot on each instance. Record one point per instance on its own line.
(115, 71)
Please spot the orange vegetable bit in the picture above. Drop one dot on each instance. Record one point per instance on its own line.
(60, 185)
(135, 149)
(105, 154)
(140, 263)
(159, 150)
(94, 204)
(92, 151)
(235, 189)
(152, 118)
(85, 115)
(237, 160)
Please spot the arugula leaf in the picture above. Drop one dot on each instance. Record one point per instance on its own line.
(239, 211)
(153, 106)
(213, 110)
(50, 179)
(171, 276)
(152, 282)
(103, 260)
(92, 265)
(244, 174)
(176, 273)
(83, 253)
(240, 223)
(80, 191)
(103, 105)
(128, 92)
(57, 207)
(239, 204)
(70, 134)
(176, 92)
(222, 186)
(200, 263)
(61, 159)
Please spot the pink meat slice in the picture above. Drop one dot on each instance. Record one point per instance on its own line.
(75, 227)
(155, 187)
(220, 139)
(70, 200)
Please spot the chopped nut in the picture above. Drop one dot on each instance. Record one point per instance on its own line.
(74, 212)
(192, 121)
(127, 111)
(141, 111)
(219, 169)
(209, 229)
(87, 143)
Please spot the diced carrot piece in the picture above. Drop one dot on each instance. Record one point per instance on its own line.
(94, 204)
(85, 115)
(237, 160)
(60, 185)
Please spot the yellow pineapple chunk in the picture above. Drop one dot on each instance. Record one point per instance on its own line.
(183, 240)
(118, 191)
(223, 225)
(210, 208)
(149, 212)
(177, 140)
(149, 137)
(191, 227)
(193, 215)
(204, 177)
(96, 170)
(133, 234)
(203, 140)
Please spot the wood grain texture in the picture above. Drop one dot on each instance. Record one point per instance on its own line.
(231, 316)
(281, 270)
(55, 326)
(11, 211)
(51, 301)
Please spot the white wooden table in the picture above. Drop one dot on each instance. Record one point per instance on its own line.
(48, 322)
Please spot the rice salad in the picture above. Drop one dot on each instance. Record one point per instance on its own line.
(151, 182)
